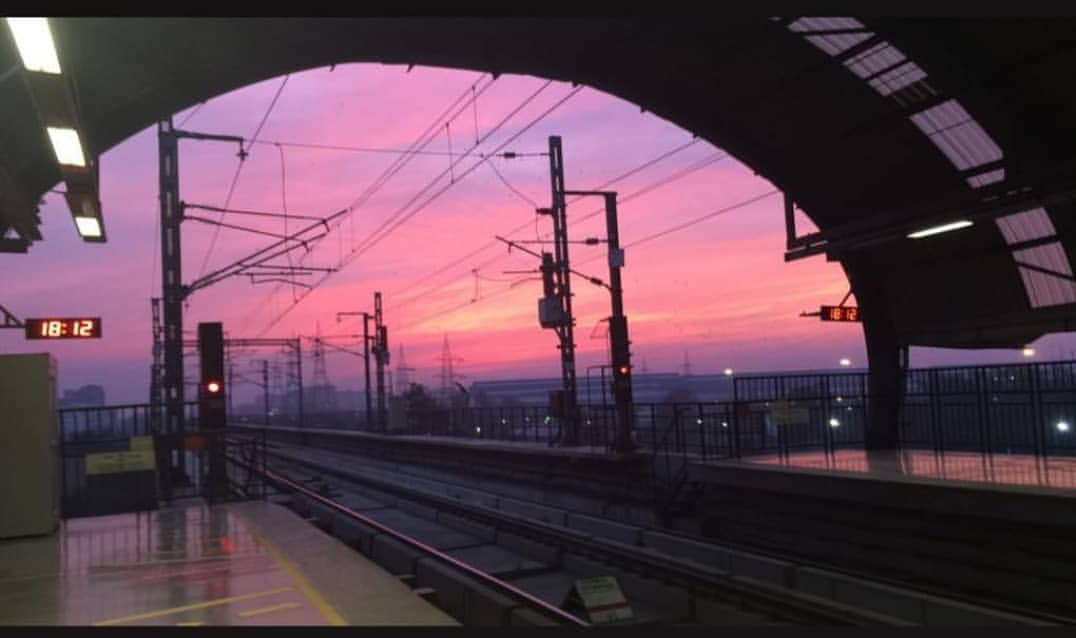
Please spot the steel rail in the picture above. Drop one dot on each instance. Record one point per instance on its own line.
(673, 569)
(510, 590)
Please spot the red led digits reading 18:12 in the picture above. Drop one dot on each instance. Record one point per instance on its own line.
(77, 328)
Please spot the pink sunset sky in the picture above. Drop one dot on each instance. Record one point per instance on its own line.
(719, 289)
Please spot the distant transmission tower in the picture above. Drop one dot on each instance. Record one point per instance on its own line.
(448, 376)
(323, 399)
(403, 376)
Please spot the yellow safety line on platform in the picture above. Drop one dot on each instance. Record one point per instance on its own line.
(193, 623)
(297, 577)
(266, 610)
(209, 603)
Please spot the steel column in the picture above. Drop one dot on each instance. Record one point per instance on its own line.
(562, 277)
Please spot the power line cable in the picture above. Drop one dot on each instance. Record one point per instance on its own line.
(516, 191)
(608, 183)
(394, 167)
(372, 240)
(648, 238)
(677, 175)
(235, 177)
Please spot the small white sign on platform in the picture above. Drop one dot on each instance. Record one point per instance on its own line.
(600, 599)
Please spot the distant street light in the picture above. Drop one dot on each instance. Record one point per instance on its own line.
(845, 362)
(1028, 351)
(728, 372)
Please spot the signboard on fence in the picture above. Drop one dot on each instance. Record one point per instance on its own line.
(785, 412)
(119, 462)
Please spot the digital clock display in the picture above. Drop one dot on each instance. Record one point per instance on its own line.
(840, 313)
(68, 328)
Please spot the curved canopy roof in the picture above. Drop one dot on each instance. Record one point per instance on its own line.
(874, 128)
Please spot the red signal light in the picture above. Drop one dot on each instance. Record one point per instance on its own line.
(213, 387)
(625, 370)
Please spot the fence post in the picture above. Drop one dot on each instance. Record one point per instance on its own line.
(984, 431)
(1037, 418)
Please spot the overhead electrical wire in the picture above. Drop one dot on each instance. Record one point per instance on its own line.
(235, 177)
(404, 215)
(416, 147)
(679, 174)
(618, 178)
(614, 180)
(516, 191)
(642, 240)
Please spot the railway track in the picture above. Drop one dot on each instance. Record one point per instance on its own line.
(531, 562)
(918, 604)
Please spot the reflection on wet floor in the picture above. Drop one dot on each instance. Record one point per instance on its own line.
(1000, 469)
(195, 565)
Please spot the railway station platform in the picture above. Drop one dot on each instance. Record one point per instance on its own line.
(999, 527)
(1021, 488)
(585, 469)
(248, 563)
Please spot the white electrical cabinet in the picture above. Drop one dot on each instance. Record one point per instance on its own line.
(29, 456)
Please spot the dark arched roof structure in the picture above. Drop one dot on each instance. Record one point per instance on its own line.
(874, 128)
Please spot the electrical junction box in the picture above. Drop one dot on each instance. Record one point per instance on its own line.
(616, 258)
(550, 313)
(29, 452)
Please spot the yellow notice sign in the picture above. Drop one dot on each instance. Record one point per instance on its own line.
(785, 413)
(116, 462)
(141, 443)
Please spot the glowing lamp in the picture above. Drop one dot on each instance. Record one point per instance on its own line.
(34, 42)
(937, 230)
(67, 146)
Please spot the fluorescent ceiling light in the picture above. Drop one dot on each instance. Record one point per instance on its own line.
(88, 226)
(67, 146)
(935, 230)
(34, 41)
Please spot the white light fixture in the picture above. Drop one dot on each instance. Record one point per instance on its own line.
(1062, 426)
(88, 226)
(67, 146)
(728, 372)
(936, 230)
(724, 424)
(834, 423)
(845, 361)
(34, 42)
(1028, 351)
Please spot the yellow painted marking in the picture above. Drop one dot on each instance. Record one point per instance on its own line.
(193, 623)
(297, 577)
(266, 610)
(175, 610)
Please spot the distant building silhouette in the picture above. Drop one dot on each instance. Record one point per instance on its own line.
(86, 396)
